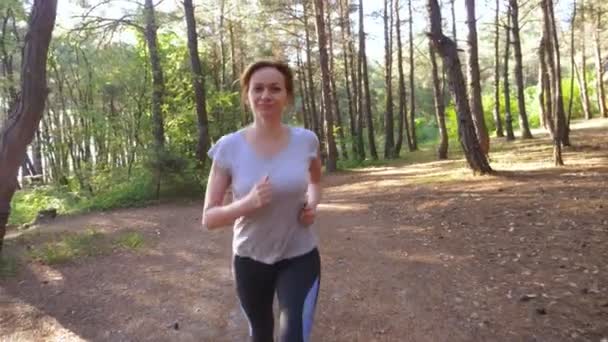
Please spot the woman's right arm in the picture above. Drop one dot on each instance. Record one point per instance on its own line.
(215, 214)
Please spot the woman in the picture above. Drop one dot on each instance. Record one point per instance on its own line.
(274, 171)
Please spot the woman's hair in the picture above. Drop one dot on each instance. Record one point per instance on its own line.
(282, 67)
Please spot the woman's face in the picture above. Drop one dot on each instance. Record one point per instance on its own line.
(267, 94)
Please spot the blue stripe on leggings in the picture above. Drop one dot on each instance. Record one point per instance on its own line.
(308, 311)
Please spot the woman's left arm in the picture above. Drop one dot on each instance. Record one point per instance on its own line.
(314, 185)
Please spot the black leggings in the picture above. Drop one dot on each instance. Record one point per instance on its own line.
(296, 283)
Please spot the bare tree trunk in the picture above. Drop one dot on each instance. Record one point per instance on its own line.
(560, 114)
(366, 93)
(551, 55)
(404, 128)
(334, 91)
(198, 82)
(389, 141)
(474, 83)
(442, 149)
(506, 86)
(414, 140)
(583, 80)
(25, 117)
(301, 74)
(332, 152)
(571, 97)
(447, 48)
(544, 90)
(497, 120)
(352, 108)
(519, 77)
(311, 85)
(599, 68)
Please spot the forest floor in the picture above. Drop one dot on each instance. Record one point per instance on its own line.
(419, 251)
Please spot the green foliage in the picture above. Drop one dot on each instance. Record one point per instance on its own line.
(130, 240)
(27, 203)
(69, 246)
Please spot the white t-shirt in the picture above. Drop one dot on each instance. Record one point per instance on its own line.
(272, 233)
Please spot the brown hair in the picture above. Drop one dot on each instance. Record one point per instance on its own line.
(282, 67)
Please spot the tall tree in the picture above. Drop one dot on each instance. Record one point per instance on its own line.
(447, 48)
(599, 63)
(349, 80)
(551, 54)
(403, 128)
(497, 119)
(198, 82)
(474, 83)
(389, 141)
(414, 140)
(25, 116)
(366, 93)
(506, 84)
(582, 74)
(334, 89)
(332, 152)
(311, 85)
(518, 70)
(442, 149)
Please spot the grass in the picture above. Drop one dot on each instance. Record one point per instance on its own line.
(66, 247)
(130, 240)
(70, 246)
(8, 266)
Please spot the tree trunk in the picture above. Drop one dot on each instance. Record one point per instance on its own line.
(544, 89)
(554, 79)
(497, 120)
(25, 117)
(599, 68)
(389, 141)
(302, 83)
(519, 77)
(403, 128)
(414, 144)
(332, 152)
(334, 90)
(352, 108)
(442, 149)
(357, 76)
(582, 79)
(311, 85)
(474, 83)
(506, 86)
(560, 114)
(572, 67)
(447, 48)
(158, 88)
(366, 94)
(198, 82)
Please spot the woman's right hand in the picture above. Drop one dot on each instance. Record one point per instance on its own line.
(260, 195)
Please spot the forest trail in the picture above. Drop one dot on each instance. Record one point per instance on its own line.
(410, 252)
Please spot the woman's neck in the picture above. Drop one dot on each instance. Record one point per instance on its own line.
(268, 130)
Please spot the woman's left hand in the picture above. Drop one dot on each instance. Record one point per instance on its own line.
(307, 215)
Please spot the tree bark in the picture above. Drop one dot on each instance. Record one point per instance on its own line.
(348, 66)
(442, 149)
(497, 120)
(366, 93)
(582, 77)
(506, 85)
(447, 48)
(334, 91)
(474, 82)
(311, 85)
(403, 123)
(389, 141)
(414, 140)
(25, 117)
(599, 68)
(332, 152)
(554, 80)
(519, 77)
(198, 82)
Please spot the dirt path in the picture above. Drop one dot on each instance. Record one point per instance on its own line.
(419, 252)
